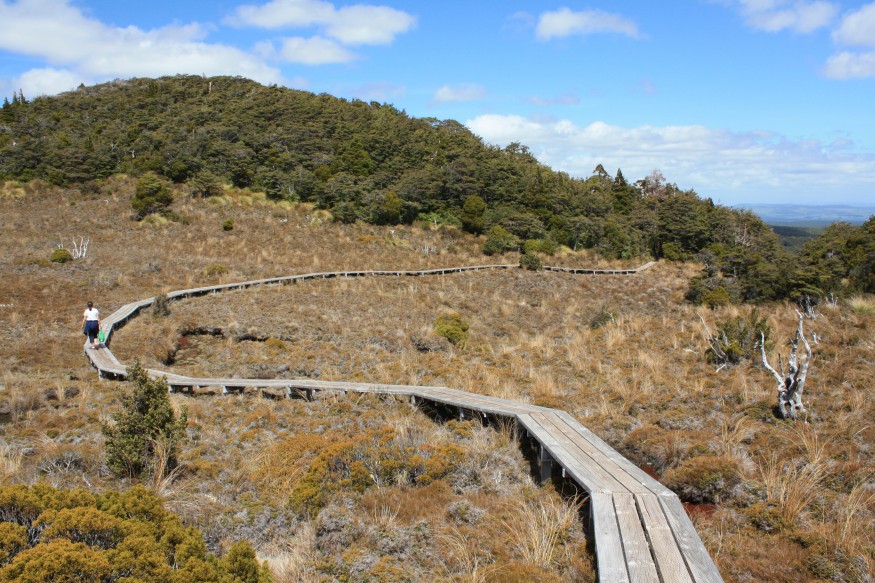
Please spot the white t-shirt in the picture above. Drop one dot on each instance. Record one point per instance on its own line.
(92, 314)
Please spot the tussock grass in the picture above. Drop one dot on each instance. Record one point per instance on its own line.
(862, 305)
(537, 529)
(639, 381)
(793, 489)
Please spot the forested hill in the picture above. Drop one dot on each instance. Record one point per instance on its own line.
(372, 162)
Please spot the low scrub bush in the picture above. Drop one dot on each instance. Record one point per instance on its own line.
(214, 270)
(499, 240)
(452, 327)
(530, 261)
(705, 479)
(62, 535)
(152, 195)
(545, 246)
(739, 338)
(61, 255)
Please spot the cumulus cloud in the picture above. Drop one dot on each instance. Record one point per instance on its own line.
(466, 92)
(360, 24)
(857, 28)
(849, 65)
(776, 15)
(314, 51)
(47, 81)
(80, 47)
(731, 166)
(566, 22)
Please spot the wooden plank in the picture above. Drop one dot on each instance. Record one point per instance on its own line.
(589, 480)
(599, 455)
(634, 471)
(604, 475)
(699, 562)
(636, 549)
(610, 560)
(668, 557)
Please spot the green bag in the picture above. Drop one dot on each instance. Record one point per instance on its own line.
(101, 337)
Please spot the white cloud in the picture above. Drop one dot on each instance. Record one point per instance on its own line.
(857, 28)
(566, 22)
(848, 65)
(466, 92)
(314, 51)
(61, 34)
(359, 24)
(283, 14)
(726, 165)
(47, 81)
(795, 15)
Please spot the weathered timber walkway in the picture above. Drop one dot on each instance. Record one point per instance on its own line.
(641, 531)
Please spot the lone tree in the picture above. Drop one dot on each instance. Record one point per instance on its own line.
(145, 428)
(152, 195)
(791, 381)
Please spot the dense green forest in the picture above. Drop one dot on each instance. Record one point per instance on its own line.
(372, 162)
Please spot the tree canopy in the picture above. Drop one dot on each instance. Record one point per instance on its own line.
(372, 162)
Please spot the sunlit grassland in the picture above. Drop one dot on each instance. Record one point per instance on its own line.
(639, 379)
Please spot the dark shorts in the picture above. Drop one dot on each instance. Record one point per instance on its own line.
(92, 327)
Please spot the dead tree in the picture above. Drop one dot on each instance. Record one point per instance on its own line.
(792, 381)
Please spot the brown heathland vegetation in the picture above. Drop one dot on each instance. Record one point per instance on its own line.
(773, 501)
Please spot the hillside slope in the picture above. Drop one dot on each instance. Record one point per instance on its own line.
(625, 357)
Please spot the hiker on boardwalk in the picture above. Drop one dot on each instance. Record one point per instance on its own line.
(91, 324)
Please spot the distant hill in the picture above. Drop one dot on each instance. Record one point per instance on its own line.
(809, 215)
(361, 161)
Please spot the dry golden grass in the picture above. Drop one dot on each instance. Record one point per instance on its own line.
(530, 340)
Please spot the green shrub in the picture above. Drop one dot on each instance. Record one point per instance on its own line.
(205, 184)
(471, 216)
(58, 560)
(530, 261)
(61, 255)
(452, 327)
(672, 251)
(704, 479)
(716, 297)
(499, 240)
(145, 423)
(152, 195)
(115, 536)
(738, 339)
(214, 270)
(545, 246)
(13, 539)
(228, 225)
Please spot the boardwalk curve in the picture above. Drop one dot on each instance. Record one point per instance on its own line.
(641, 531)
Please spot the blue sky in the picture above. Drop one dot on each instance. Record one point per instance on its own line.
(745, 101)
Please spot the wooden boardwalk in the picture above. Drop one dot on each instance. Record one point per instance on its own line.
(641, 531)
